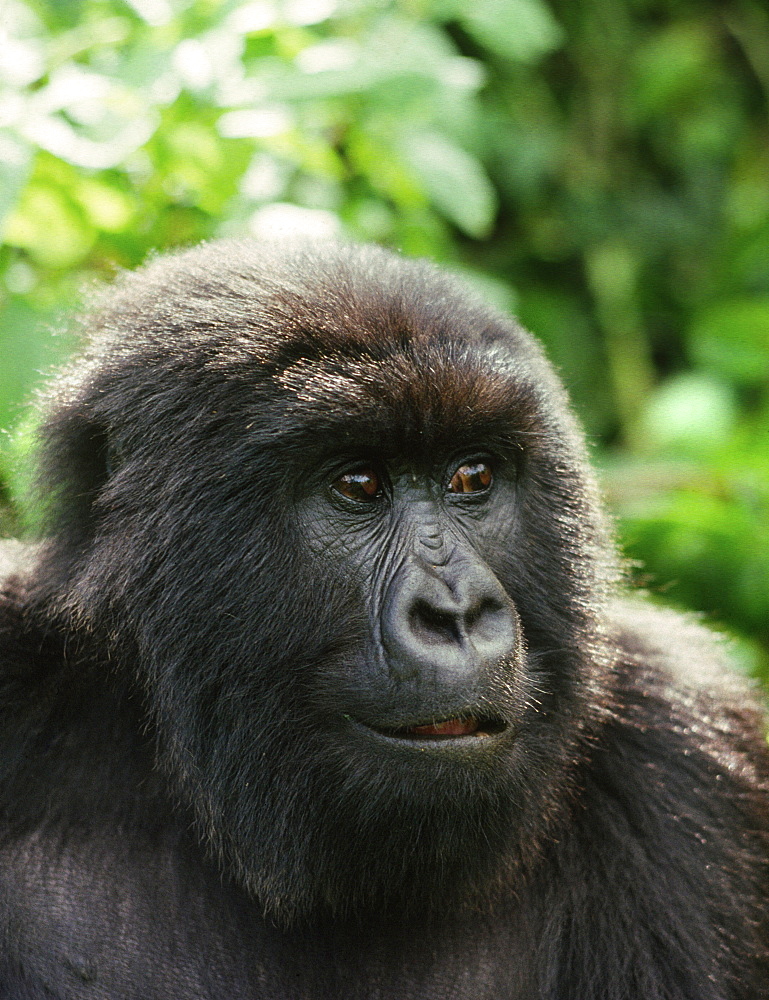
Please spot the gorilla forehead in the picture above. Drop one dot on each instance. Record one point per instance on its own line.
(393, 344)
(454, 399)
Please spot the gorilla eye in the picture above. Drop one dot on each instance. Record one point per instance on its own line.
(472, 477)
(362, 485)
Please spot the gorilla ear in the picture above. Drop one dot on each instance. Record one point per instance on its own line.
(75, 461)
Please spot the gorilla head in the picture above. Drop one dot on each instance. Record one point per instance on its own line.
(331, 516)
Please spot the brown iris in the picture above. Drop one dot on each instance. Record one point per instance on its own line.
(472, 477)
(362, 485)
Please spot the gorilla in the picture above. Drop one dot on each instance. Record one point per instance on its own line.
(322, 681)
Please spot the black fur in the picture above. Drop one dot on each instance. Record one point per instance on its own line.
(217, 671)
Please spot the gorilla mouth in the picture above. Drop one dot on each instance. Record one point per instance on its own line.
(448, 729)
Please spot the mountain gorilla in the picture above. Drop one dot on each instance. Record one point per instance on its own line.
(321, 684)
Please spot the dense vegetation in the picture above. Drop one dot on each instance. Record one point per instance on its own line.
(601, 169)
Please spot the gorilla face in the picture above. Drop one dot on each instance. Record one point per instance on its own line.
(337, 524)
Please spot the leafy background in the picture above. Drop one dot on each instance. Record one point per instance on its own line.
(599, 168)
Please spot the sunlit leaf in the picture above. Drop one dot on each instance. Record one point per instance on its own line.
(154, 12)
(108, 208)
(524, 30)
(50, 227)
(280, 221)
(87, 119)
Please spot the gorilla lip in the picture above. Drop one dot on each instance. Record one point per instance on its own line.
(447, 729)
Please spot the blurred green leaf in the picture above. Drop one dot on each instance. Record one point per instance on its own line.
(732, 338)
(50, 227)
(691, 413)
(523, 30)
(29, 350)
(670, 66)
(109, 209)
(454, 180)
(87, 119)
(16, 158)
(724, 549)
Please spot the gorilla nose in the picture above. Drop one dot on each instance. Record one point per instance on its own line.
(448, 623)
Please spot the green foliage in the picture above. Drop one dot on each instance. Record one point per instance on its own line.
(601, 168)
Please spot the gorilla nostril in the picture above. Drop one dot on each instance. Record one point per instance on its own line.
(430, 625)
(483, 619)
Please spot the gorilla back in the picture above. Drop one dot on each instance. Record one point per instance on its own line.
(322, 682)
